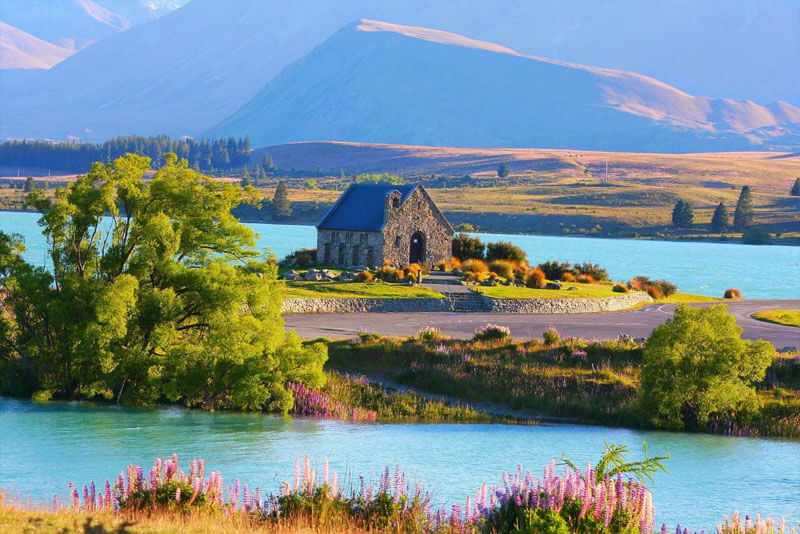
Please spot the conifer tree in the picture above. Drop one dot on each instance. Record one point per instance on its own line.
(743, 216)
(720, 221)
(682, 214)
(246, 177)
(502, 170)
(796, 188)
(281, 207)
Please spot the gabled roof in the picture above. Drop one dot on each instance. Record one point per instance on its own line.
(361, 207)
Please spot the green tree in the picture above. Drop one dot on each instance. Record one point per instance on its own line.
(246, 180)
(795, 192)
(502, 170)
(281, 206)
(466, 247)
(743, 216)
(156, 293)
(720, 220)
(697, 365)
(682, 214)
(503, 250)
(30, 184)
(756, 235)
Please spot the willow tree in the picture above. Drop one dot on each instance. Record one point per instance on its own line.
(156, 292)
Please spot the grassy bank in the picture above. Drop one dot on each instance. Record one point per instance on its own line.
(594, 382)
(783, 317)
(582, 291)
(357, 290)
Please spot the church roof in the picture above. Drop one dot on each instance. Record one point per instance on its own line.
(361, 207)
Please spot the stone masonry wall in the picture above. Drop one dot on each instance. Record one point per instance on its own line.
(348, 248)
(416, 214)
(591, 305)
(360, 305)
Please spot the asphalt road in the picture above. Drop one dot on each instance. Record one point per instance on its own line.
(610, 325)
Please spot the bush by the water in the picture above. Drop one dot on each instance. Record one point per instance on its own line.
(732, 293)
(503, 250)
(697, 365)
(654, 288)
(551, 337)
(164, 299)
(502, 268)
(756, 235)
(535, 278)
(302, 257)
(475, 266)
(466, 247)
(619, 288)
(365, 276)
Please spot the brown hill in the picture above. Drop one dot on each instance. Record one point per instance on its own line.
(21, 50)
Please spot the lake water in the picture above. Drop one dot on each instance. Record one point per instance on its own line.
(769, 272)
(45, 446)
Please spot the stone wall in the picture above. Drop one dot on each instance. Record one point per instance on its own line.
(346, 248)
(361, 305)
(417, 214)
(410, 305)
(571, 305)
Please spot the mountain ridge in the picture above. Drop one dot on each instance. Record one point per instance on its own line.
(339, 92)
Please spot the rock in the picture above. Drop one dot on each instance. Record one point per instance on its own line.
(789, 348)
(312, 275)
(554, 285)
(292, 276)
(457, 271)
(572, 288)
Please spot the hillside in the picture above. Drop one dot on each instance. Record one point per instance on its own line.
(36, 34)
(212, 56)
(21, 50)
(381, 82)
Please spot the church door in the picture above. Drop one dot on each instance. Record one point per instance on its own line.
(417, 254)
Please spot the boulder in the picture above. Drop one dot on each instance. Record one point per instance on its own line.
(312, 275)
(457, 271)
(554, 285)
(572, 288)
(291, 276)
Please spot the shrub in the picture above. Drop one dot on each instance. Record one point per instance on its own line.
(429, 333)
(387, 274)
(654, 292)
(665, 288)
(365, 276)
(536, 279)
(503, 250)
(443, 266)
(455, 263)
(554, 270)
(733, 293)
(398, 275)
(639, 283)
(492, 332)
(756, 235)
(502, 268)
(619, 287)
(593, 270)
(551, 336)
(697, 365)
(475, 266)
(567, 277)
(302, 257)
(466, 247)
(412, 270)
(586, 279)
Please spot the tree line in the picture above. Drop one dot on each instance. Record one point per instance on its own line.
(202, 154)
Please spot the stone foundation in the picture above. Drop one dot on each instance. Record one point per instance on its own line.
(492, 305)
(361, 305)
(593, 305)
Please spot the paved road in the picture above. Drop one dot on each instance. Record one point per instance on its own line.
(587, 325)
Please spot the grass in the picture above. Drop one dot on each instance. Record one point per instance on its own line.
(783, 317)
(688, 298)
(583, 291)
(592, 382)
(353, 290)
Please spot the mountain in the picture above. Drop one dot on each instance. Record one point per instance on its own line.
(21, 50)
(186, 71)
(67, 25)
(386, 83)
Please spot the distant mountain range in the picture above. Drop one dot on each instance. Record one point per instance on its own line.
(37, 34)
(380, 82)
(214, 67)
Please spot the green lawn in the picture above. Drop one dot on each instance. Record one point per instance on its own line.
(784, 317)
(358, 290)
(584, 291)
(686, 298)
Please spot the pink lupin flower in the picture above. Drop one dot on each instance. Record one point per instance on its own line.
(55, 503)
(178, 494)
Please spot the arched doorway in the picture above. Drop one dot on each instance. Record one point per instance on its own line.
(417, 254)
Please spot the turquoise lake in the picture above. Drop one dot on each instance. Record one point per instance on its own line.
(44, 447)
(768, 272)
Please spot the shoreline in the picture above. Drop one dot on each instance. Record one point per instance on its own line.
(776, 241)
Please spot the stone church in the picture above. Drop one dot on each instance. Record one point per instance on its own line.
(374, 224)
